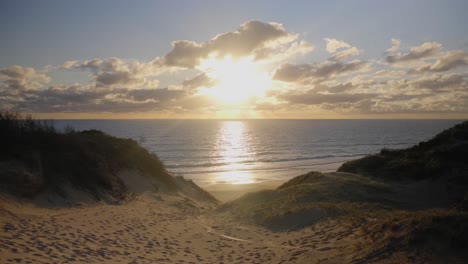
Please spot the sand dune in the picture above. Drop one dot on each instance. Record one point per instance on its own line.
(161, 227)
(152, 228)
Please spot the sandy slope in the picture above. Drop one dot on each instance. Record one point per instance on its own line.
(159, 227)
(155, 228)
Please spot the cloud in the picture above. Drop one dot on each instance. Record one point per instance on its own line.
(18, 78)
(310, 97)
(85, 99)
(279, 54)
(395, 45)
(113, 78)
(318, 71)
(158, 95)
(253, 38)
(425, 50)
(117, 72)
(388, 74)
(440, 92)
(419, 80)
(441, 81)
(332, 45)
(201, 80)
(347, 53)
(448, 61)
(91, 65)
(337, 88)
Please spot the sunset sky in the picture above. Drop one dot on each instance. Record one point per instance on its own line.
(234, 59)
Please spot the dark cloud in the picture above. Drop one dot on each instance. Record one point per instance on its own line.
(251, 39)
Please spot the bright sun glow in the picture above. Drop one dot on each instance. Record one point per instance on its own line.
(236, 79)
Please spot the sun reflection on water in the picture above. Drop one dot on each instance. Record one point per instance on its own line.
(233, 147)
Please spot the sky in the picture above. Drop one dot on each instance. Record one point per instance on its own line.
(234, 59)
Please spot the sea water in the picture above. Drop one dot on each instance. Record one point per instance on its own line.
(247, 151)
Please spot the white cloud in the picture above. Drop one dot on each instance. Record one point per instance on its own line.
(395, 45)
(333, 44)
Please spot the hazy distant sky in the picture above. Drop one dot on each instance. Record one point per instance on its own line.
(327, 59)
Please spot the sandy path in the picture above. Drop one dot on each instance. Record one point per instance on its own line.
(151, 229)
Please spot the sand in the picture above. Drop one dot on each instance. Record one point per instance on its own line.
(151, 228)
(157, 227)
(229, 192)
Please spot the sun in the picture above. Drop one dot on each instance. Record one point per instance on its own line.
(237, 80)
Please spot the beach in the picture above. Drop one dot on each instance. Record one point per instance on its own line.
(173, 228)
(228, 192)
(152, 228)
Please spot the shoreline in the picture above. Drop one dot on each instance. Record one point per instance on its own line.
(226, 192)
(234, 184)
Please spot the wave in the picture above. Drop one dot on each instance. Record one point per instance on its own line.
(282, 168)
(253, 161)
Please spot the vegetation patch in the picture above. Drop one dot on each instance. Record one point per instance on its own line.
(37, 158)
(446, 155)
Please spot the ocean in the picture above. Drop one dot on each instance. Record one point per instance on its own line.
(248, 151)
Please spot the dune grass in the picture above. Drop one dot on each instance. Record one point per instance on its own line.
(446, 155)
(310, 198)
(434, 236)
(35, 157)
